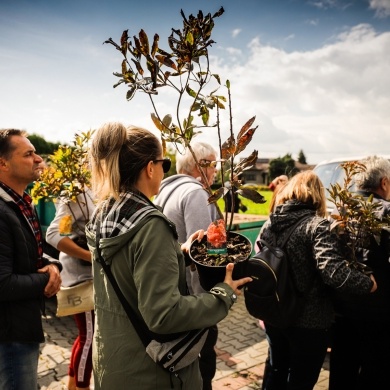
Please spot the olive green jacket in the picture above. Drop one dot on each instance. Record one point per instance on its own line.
(149, 267)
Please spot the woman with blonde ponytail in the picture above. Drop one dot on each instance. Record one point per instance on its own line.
(140, 244)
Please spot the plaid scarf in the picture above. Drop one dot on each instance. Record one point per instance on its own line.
(119, 216)
(25, 205)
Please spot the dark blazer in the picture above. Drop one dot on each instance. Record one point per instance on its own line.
(21, 286)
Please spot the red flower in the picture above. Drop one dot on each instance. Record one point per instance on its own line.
(216, 233)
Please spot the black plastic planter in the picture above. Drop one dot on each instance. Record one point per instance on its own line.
(211, 274)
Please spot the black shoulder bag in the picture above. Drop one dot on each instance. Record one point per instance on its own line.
(272, 295)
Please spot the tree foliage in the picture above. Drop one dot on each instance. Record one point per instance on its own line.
(42, 146)
(282, 166)
(67, 174)
(301, 157)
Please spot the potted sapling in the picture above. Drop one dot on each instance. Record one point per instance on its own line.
(184, 69)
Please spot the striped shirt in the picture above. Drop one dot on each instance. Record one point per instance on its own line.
(25, 205)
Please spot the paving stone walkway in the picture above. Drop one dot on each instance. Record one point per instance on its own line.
(241, 349)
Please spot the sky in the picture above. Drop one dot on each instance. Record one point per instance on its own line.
(315, 73)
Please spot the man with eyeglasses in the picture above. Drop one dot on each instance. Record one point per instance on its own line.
(185, 202)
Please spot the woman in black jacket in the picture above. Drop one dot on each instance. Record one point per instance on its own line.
(297, 352)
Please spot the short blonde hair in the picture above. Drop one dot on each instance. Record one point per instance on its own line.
(305, 187)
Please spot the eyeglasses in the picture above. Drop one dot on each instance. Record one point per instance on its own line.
(207, 163)
(166, 164)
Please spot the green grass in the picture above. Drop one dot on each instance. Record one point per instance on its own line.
(253, 208)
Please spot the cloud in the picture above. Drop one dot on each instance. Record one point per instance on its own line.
(330, 101)
(331, 4)
(236, 32)
(381, 7)
(234, 52)
(312, 22)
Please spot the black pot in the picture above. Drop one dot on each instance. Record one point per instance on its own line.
(210, 274)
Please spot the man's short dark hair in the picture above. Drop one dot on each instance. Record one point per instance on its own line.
(6, 148)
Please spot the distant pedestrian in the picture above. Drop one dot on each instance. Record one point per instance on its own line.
(185, 202)
(75, 258)
(26, 276)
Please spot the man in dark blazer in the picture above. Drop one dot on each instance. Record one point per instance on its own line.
(26, 276)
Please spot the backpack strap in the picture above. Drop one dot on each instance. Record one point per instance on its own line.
(174, 189)
(140, 328)
(292, 228)
(289, 232)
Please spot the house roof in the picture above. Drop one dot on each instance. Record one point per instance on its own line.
(262, 164)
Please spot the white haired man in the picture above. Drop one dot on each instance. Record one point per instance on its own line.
(185, 202)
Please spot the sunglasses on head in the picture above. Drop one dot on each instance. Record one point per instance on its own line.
(166, 164)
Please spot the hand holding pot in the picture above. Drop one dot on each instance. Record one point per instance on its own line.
(198, 235)
(235, 284)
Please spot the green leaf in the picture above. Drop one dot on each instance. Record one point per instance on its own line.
(131, 92)
(217, 78)
(217, 195)
(167, 120)
(190, 91)
(157, 121)
(252, 195)
(190, 38)
(196, 106)
(204, 113)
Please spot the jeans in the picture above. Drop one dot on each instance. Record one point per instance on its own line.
(19, 366)
(296, 357)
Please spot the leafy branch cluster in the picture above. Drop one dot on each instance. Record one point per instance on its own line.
(356, 221)
(67, 174)
(185, 68)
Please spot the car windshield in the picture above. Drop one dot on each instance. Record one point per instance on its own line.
(331, 173)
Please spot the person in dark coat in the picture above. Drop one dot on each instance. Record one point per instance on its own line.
(317, 265)
(360, 354)
(26, 276)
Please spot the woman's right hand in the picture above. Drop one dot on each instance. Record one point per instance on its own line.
(374, 287)
(235, 284)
